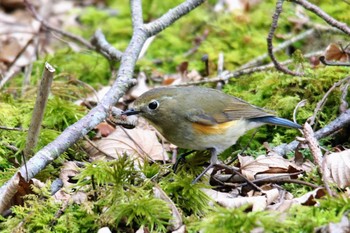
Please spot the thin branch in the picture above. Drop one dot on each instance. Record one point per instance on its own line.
(280, 47)
(136, 13)
(270, 37)
(327, 63)
(105, 48)
(47, 26)
(340, 122)
(11, 128)
(322, 102)
(316, 154)
(171, 16)
(226, 75)
(39, 109)
(319, 12)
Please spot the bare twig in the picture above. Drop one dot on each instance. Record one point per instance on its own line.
(105, 48)
(137, 145)
(226, 75)
(322, 102)
(96, 147)
(280, 47)
(49, 27)
(39, 109)
(327, 63)
(12, 69)
(9, 74)
(9, 146)
(284, 179)
(171, 16)
(340, 122)
(316, 153)
(330, 20)
(240, 175)
(270, 37)
(313, 144)
(11, 128)
(300, 104)
(344, 93)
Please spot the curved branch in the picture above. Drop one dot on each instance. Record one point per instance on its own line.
(105, 48)
(270, 36)
(171, 16)
(330, 20)
(340, 122)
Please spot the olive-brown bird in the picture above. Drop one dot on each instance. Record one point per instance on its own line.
(200, 118)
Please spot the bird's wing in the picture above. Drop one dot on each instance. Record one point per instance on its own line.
(225, 111)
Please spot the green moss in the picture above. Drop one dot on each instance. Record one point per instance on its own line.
(130, 203)
(185, 195)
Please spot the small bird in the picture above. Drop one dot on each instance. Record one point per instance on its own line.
(201, 118)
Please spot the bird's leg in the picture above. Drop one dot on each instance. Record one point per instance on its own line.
(180, 159)
(213, 162)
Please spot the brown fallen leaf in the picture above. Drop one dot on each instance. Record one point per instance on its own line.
(265, 164)
(309, 199)
(68, 171)
(338, 167)
(337, 53)
(138, 143)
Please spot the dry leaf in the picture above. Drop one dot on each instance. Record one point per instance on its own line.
(22, 190)
(227, 200)
(338, 167)
(69, 170)
(103, 129)
(336, 52)
(263, 164)
(309, 198)
(139, 143)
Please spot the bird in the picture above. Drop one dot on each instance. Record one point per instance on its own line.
(200, 118)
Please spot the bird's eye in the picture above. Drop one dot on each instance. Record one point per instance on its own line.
(153, 105)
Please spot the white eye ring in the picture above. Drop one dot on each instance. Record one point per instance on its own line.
(153, 105)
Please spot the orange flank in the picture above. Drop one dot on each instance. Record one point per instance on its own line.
(213, 129)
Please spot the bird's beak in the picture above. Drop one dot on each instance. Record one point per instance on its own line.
(130, 112)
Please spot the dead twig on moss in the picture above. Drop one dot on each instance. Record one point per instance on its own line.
(49, 27)
(327, 63)
(224, 76)
(270, 37)
(105, 48)
(319, 12)
(322, 102)
(333, 127)
(316, 154)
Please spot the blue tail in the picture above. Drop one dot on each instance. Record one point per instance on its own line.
(276, 121)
